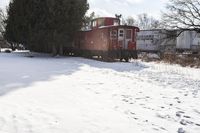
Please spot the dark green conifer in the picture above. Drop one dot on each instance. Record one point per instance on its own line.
(44, 25)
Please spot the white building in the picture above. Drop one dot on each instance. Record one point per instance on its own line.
(188, 40)
(156, 40)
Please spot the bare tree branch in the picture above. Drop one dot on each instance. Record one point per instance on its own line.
(182, 14)
(146, 22)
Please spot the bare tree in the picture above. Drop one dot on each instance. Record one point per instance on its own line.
(146, 22)
(182, 14)
(130, 21)
(143, 21)
(88, 19)
(154, 23)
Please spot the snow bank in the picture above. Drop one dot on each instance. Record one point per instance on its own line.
(45, 94)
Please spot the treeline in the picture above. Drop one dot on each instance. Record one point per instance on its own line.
(50, 25)
(44, 25)
(143, 21)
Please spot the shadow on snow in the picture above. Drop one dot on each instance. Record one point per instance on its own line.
(18, 71)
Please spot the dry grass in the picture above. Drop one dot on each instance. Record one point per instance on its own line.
(183, 60)
(149, 57)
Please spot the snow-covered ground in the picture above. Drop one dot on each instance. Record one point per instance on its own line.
(76, 95)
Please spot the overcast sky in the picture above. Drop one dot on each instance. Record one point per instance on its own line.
(3, 3)
(124, 7)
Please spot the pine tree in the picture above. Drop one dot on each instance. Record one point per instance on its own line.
(44, 25)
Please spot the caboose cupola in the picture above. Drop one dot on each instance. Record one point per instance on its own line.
(105, 21)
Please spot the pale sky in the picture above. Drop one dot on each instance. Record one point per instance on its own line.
(3, 4)
(124, 7)
(127, 7)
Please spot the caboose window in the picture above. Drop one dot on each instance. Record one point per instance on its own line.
(113, 34)
(116, 22)
(101, 22)
(128, 34)
(121, 33)
(94, 23)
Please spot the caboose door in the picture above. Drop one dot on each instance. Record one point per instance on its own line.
(128, 37)
(124, 37)
(121, 38)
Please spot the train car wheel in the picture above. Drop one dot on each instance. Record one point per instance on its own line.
(126, 59)
(135, 56)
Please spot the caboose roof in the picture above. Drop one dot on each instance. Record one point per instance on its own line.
(119, 26)
(106, 18)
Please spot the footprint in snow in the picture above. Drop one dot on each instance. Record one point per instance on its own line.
(181, 130)
(179, 102)
(197, 124)
(125, 100)
(197, 111)
(183, 122)
(177, 98)
(185, 116)
(162, 128)
(179, 113)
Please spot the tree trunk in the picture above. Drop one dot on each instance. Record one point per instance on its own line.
(12, 46)
(61, 49)
(54, 50)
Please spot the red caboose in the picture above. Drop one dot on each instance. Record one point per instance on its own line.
(108, 39)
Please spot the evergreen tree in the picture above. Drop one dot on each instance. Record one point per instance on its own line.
(44, 25)
(88, 19)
